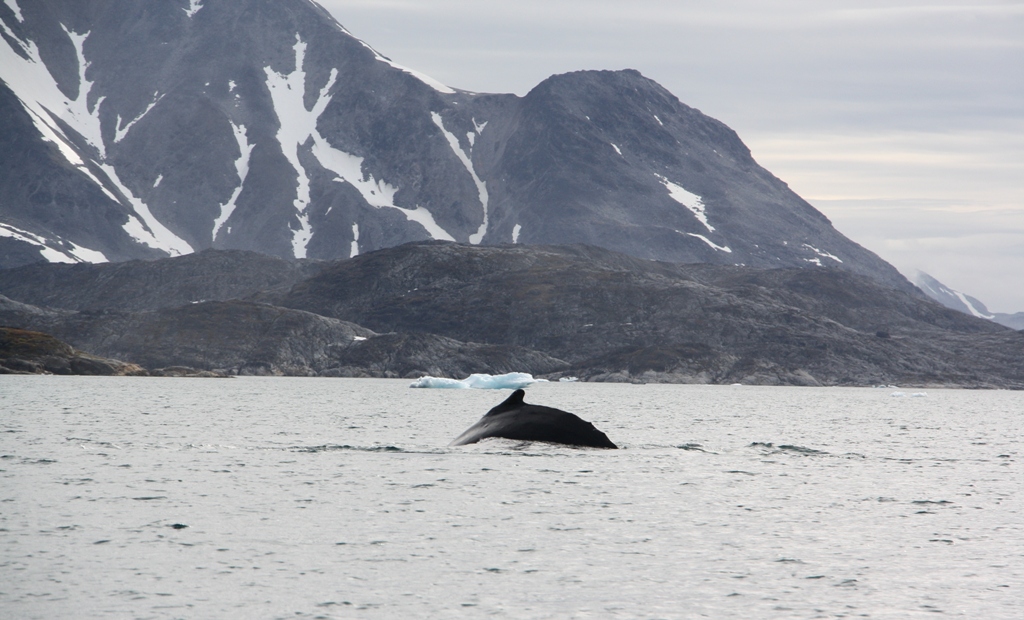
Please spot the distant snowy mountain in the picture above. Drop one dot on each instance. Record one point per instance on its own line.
(141, 129)
(965, 303)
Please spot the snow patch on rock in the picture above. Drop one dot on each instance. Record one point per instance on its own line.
(193, 7)
(355, 242)
(481, 186)
(242, 170)
(76, 254)
(426, 79)
(691, 201)
(720, 248)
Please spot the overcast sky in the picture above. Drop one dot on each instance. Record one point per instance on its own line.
(902, 121)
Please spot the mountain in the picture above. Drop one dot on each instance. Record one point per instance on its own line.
(244, 338)
(612, 316)
(134, 129)
(448, 309)
(965, 303)
(137, 285)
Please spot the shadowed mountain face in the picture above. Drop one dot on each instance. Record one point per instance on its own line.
(136, 129)
(450, 309)
(152, 285)
(615, 317)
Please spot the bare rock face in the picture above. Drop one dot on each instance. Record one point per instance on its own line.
(247, 338)
(617, 318)
(141, 129)
(447, 309)
(151, 285)
(28, 352)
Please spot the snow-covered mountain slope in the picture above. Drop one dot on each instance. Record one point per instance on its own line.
(135, 129)
(965, 303)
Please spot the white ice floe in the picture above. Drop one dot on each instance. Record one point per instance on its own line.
(509, 381)
(659, 120)
(616, 147)
(515, 232)
(688, 199)
(242, 170)
(156, 183)
(481, 186)
(814, 261)
(479, 126)
(720, 248)
(822, 254)
(426, 79)
(354, 252)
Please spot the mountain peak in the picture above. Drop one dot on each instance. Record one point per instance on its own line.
(147, 129)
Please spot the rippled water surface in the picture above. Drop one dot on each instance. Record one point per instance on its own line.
(339, 498)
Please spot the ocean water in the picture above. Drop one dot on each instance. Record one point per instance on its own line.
(127, 497)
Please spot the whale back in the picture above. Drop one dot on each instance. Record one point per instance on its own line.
(514, 401)
(515, 419)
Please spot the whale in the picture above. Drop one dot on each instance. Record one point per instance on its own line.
(515, 419)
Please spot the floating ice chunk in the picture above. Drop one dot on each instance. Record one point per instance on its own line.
(919, 395)
(816, 261)
(616, 147)
(515, 232)
(569, 379)
(898, 394)
(509, 381)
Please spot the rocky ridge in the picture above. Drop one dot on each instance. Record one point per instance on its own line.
(449, 309)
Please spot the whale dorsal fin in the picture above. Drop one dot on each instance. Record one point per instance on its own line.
(514, 401)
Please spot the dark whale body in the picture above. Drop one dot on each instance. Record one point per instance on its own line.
(514, 419)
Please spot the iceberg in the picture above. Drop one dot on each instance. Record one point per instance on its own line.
(508, 381)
